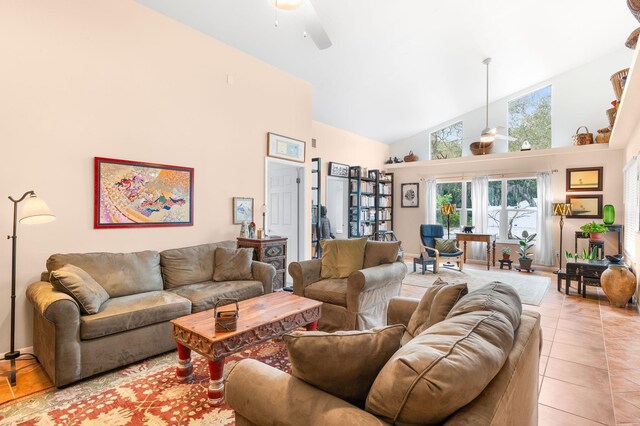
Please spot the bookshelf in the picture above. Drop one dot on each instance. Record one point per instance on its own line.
(370, 202)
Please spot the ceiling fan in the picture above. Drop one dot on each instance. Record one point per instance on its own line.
(312, 25)
(491, 134)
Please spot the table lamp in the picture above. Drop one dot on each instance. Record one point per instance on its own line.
(447, 209)
(562, 210)
(34, 211)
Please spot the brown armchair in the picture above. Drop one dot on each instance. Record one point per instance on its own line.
(358, 302)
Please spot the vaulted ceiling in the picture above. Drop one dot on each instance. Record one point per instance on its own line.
(399, 67)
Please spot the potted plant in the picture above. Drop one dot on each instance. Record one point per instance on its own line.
(525, 243)
(595, 231)
(506, 253)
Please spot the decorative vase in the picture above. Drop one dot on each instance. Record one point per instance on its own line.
(619, 284)
(609, 214)
(596, 236)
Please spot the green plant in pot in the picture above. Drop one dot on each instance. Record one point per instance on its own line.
(506, 253)
(593, 230)
(525, 242)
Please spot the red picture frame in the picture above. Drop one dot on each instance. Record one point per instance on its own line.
(135, 194)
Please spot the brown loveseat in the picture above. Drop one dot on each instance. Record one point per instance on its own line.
(263, 395)
(358, 302)
(146, 289)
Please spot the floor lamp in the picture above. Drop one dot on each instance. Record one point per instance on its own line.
(34, 211)
(562, 210)
(447, 209)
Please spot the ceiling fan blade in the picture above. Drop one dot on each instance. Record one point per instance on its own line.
(505, 137)
(313, 27)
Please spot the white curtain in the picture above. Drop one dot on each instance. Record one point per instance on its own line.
(430, 204)
(480, 212)
(544, 240)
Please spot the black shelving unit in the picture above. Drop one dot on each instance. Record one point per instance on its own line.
(315, 205)
(384, 203)
(362, 202)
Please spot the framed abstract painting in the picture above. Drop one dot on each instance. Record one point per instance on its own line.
(585, 206)
(135, 194)
(285, 148)
(242, 210)
(584, 179)
(410, 195)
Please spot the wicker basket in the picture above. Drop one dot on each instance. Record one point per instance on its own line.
(411, 157)
(603, 135)
(618, 81)
(611, 115)
(632, 40)
(582, 138)
(481, 148)
(226, 320)
(634, 7)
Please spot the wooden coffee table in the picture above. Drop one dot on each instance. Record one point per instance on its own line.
(261, 318)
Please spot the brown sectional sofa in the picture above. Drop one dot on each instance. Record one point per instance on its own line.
(146, 289)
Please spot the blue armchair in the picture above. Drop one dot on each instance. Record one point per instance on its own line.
(428, 235)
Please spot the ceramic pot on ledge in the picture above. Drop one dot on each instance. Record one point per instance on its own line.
(619, 284)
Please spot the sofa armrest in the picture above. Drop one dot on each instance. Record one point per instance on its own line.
(51, 304)
(266, 396)
(400, 310)
(304, 273)
(265, 273)
(374, 278)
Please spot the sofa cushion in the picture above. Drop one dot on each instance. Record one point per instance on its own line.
(125, 313)
(380, 252)
(342, 257)
(497, 297)
(333, 291)
(433, 307)
(190, 265)
(447, 366)
(120, 274)
(204, 295)
(350, 360)
(81, 286)
(233, 264)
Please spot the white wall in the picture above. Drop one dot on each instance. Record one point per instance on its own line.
(579, 97)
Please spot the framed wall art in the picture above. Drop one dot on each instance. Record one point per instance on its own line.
(410, 195)
(338, 169)
(585, 206)
(137, 194)
(242, 210)
(279, 146)
(584, 179)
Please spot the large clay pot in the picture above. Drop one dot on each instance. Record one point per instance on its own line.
(619, 284)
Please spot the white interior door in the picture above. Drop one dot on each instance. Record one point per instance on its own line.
(338, 206)
(283, 207)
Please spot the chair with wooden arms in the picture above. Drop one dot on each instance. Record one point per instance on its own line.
(428, 235)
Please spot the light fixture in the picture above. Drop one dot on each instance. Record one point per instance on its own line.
(34, 211)
(287, 4)
(562, 210)
(263, 210)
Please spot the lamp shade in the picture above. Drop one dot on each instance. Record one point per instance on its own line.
(35, 210)
(561, 209)
(447, 209)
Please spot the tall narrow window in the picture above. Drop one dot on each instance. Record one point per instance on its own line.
(530, 120)
(512, 207)
(631, 212)
(447, 142)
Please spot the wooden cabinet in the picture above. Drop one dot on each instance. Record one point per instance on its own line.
(272, 251)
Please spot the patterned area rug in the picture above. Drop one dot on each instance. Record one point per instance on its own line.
(531, 288)
(145, 393)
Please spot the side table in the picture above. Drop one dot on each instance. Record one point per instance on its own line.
(506, 262)
(424, 263)
(272, 251)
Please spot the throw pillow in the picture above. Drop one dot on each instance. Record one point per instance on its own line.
(233, 264)
(81, 286)
(342, 257)
(434, 307)
(446, 246)
(345, 363)
(380, 252)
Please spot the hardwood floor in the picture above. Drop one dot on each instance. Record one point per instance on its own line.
(589, 368)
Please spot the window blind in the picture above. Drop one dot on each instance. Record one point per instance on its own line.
(631, 208)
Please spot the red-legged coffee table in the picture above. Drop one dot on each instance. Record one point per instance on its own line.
(260, 319)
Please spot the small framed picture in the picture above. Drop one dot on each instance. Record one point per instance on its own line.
(584, 179)
(338, 169)
(410, 195)
(279, 146)
(585, 206)
(242, 210)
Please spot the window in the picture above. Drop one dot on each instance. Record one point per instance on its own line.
(630, 198)
(458, 193)
(530, 120)
(447, 142)
(512, 207)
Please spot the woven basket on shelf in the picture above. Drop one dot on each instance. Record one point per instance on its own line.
(481, 148)
(618, 81)
(634, 7)
(582, 138)
(611, 115)
(632, 40)
(411, 157)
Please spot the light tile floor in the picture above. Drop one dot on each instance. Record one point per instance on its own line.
(589, 368)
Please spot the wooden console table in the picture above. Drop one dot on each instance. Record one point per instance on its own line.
(585, 272)
(612, 228)
(272, 251)
(490, 239)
